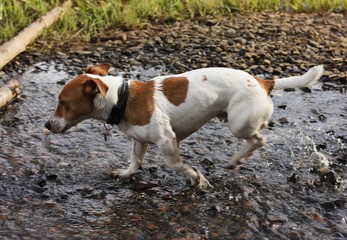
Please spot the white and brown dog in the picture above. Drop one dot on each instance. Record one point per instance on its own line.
(167, 109)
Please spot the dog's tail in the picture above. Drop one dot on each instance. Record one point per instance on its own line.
(306, 80)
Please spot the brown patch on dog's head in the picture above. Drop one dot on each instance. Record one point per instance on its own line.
(77, 96)
(100, 69)
(140, 105)
(76, 102)
(175, 89)
(267, 85)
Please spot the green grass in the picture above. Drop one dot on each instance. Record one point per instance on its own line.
(89, 17)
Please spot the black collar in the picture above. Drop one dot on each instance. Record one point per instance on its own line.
(118, 109)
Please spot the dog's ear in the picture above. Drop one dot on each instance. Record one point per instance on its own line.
(94, 86)
(100, 69)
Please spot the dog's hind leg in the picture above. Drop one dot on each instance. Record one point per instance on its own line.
(252, 143)
(136, 159)
(246, 119)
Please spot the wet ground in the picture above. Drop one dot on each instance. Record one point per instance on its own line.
(55, 186)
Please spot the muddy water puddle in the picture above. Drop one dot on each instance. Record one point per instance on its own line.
(59, 187)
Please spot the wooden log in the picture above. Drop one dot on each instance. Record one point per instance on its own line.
(8, 92)
(18, 44)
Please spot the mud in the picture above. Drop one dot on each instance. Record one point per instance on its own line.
(58, 186)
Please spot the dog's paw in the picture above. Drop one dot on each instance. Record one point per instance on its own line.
(234, 167)
(201, 182)
(121, 174)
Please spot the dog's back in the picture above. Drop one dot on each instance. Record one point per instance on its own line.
(208, 92)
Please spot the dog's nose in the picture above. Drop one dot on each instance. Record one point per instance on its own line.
(48, 125)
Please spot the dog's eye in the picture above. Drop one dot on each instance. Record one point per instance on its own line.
(62, 103)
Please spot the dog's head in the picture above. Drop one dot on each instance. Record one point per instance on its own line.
(76, 99)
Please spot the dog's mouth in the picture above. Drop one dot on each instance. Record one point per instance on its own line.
(56, 129)
(64, 129)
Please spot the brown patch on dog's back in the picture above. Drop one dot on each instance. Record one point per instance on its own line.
(267, 85)
(175, 89)
(140, 105)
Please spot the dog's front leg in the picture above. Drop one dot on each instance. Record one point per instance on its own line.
(169, 148)
(136, 159)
